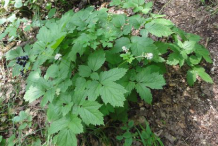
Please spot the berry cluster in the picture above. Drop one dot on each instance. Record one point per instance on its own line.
(22, 60)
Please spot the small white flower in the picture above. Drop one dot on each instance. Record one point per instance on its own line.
(57, 57)
(58, 90)
(149, 56)
(125, 49)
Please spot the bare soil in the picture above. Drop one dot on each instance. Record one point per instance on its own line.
(183, 115)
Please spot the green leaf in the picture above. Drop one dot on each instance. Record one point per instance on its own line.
(94, 76)
(147, 8)
(197, 70)
(48, 96)
(188, 46)
(52, 71)
(33, 93)
(115, 3)
(141, 45)
(191, 77)
(90, 114)
(51, 13)
(96, 60)
(129, 4)
(53, 112)
(18, 3)
(65, 84)
(151, 80)
(77, 48)
(127, 29)
(163, 22)
(194, 60)
(113, 93)
(75, 124)
(84, 71)
(202, 51)
(11, 141)
(22, 126)
(58, 125)
(12, 54)
(119, 43)
(112, 75)
(57, 42)
(144, 33)
(66, 137)
(148, 78)
(201, 72)
(67, 108)
(2, 21)
(72, 122)
(144, 92)
(119, 20)
(158, 30)
(128, 141)
(107, 109)
(136, 21)
(174, 59)
(22, 116)
(94, 90)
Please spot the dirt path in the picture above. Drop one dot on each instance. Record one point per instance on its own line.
(183, 115)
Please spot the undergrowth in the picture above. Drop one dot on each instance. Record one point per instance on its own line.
(92, 64)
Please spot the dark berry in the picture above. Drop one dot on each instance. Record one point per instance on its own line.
(27, 57)
(21, 72)
(24, 64)
(21, 63)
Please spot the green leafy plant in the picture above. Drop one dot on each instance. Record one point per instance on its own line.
(147, 137)
(128, 136)
(23, 120)
(143, 135)
(93, 64)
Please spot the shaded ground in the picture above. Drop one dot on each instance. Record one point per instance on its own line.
(184, 115)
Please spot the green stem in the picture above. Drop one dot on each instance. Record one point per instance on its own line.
(122, 63)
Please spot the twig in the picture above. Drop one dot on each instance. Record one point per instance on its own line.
(164, 6)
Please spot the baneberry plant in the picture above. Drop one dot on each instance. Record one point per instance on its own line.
(96, 65)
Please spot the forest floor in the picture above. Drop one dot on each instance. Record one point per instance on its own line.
(180, 115)
(183, 115)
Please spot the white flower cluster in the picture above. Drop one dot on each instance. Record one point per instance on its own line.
(57, 57)
(149, 56)
(125, 49)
